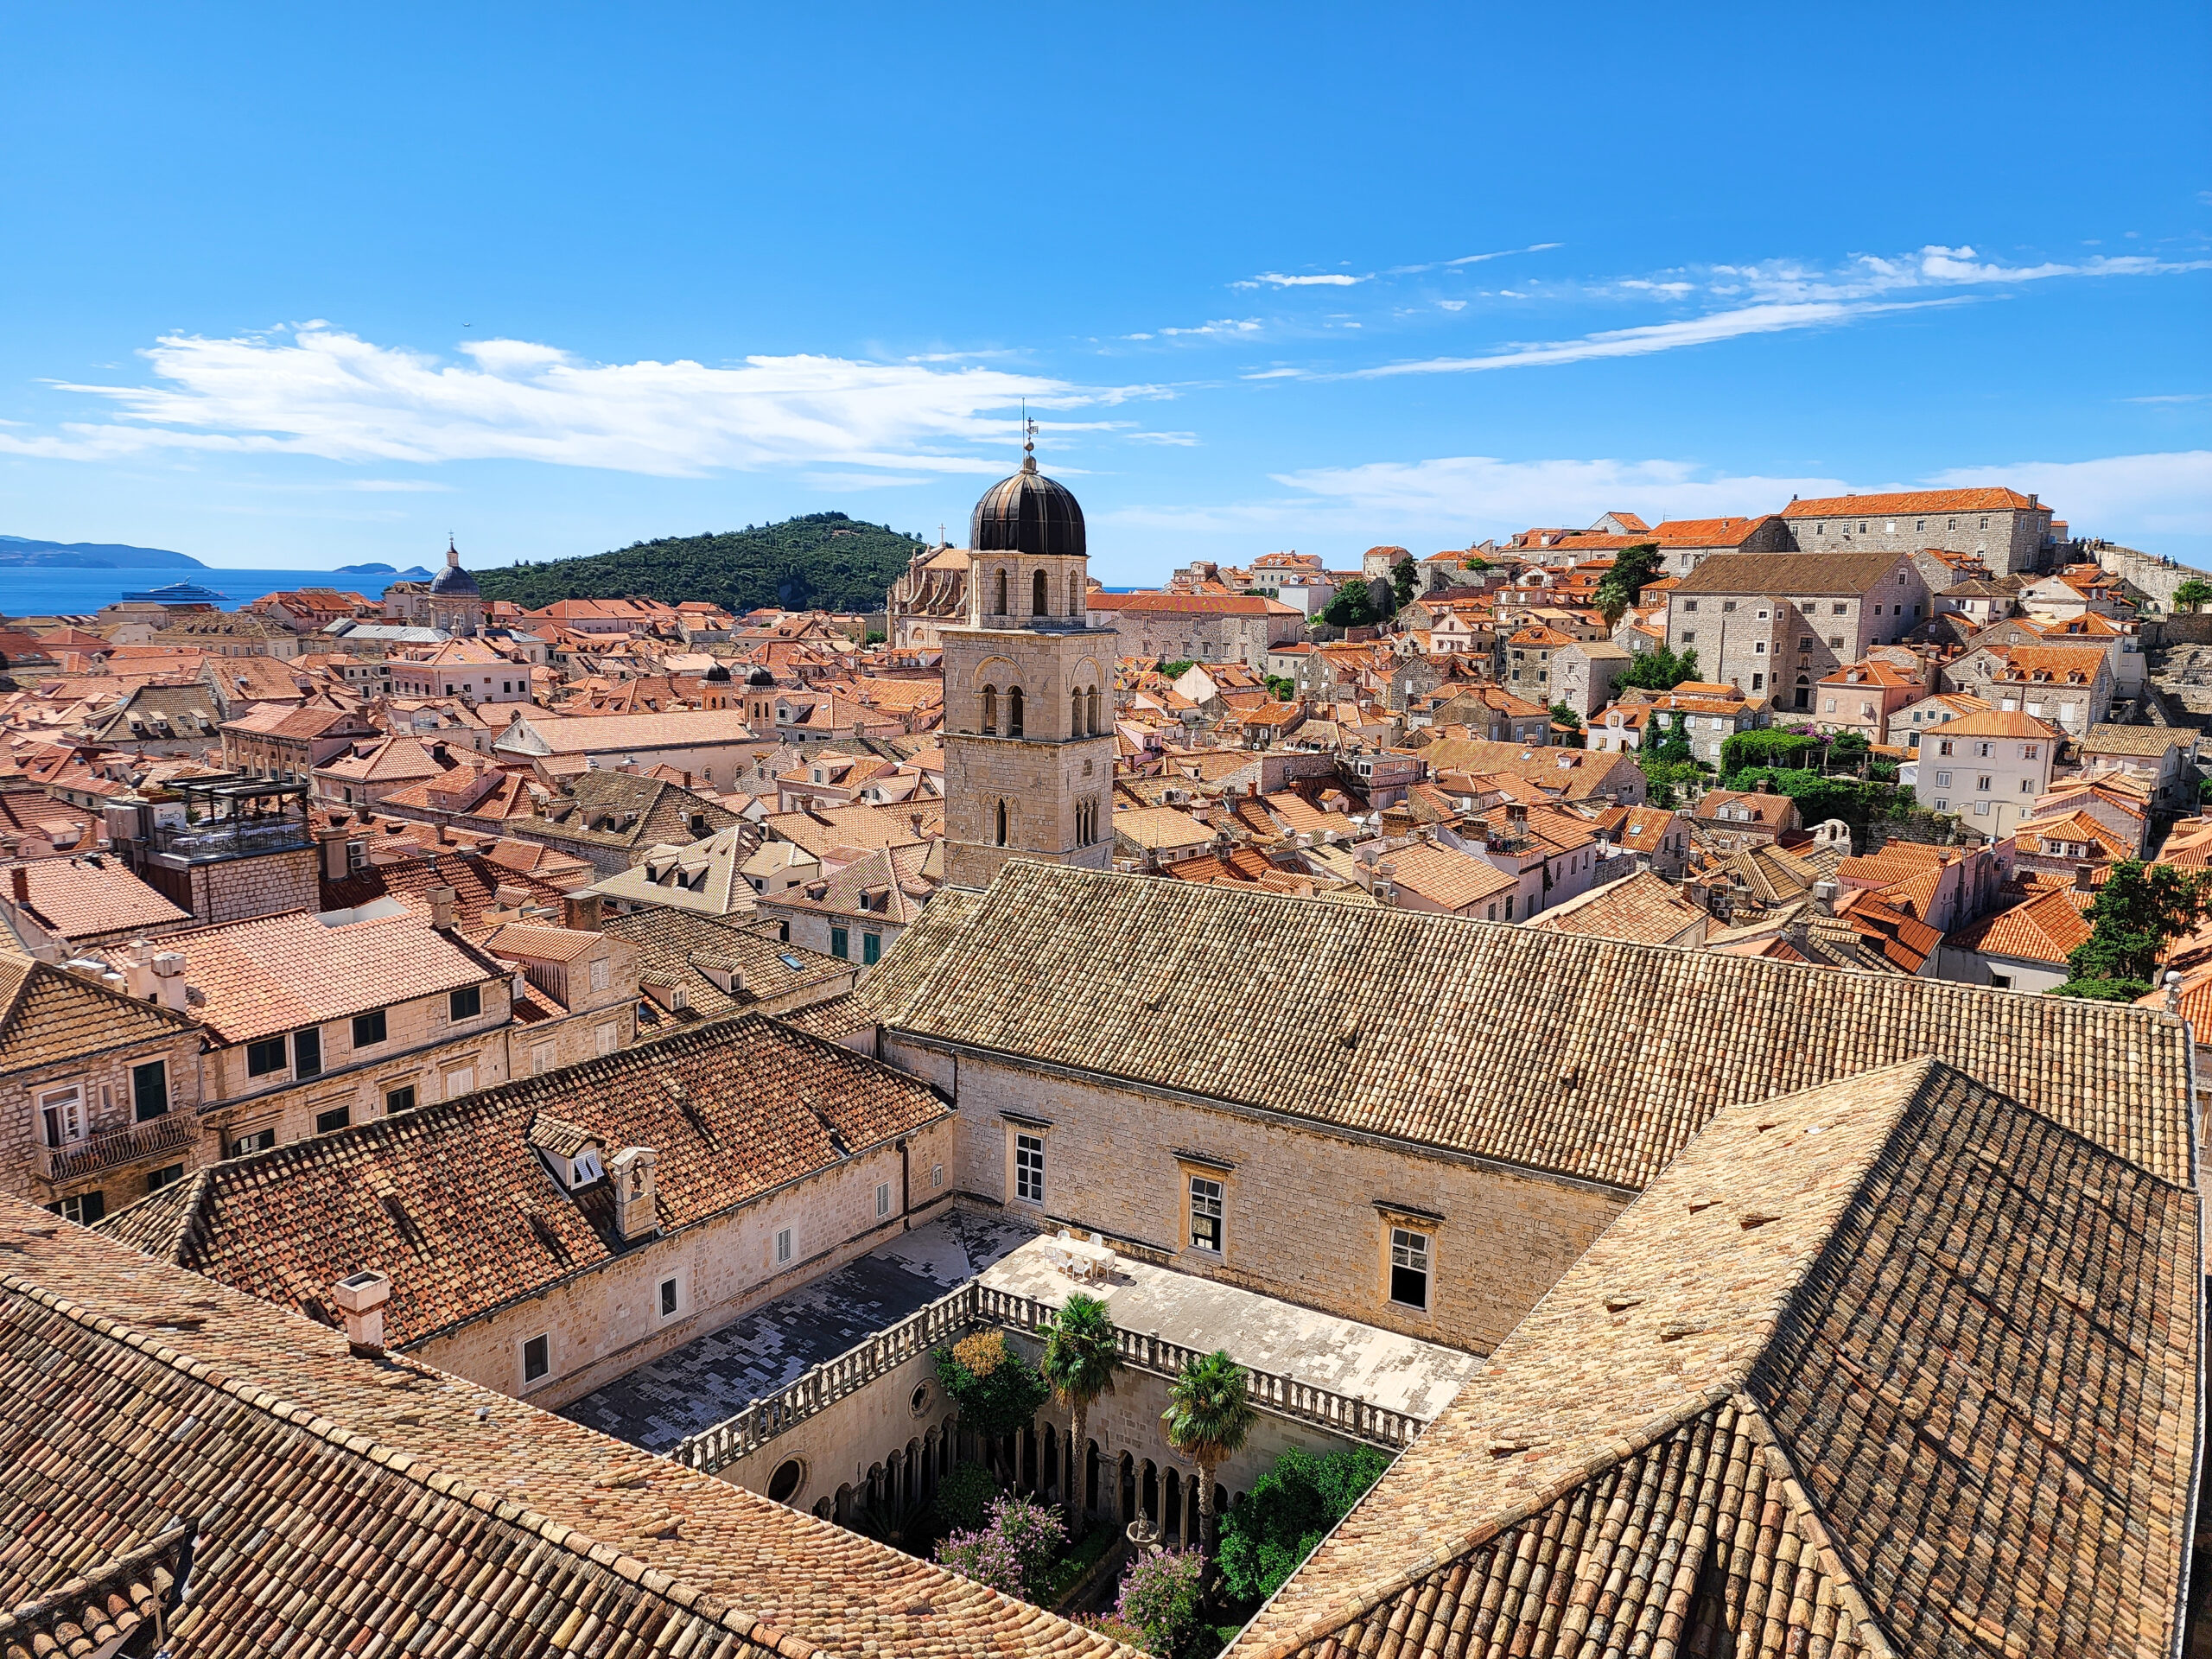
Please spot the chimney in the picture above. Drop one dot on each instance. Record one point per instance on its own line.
(2173, 991)
(2084, 876)
(169, 980)
(332, 837)
(443, 900)
(1824, 897)
(580, 912)
(360, 1298)
(19, 885)
(632, 1170)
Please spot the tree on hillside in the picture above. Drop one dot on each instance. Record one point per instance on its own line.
(1080, 1360)
(1351, 608)
(1619, 588)
(2193, 594)
(1404, 578)
(1660, 670)
(2139, 908)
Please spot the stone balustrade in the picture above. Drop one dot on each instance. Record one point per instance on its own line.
(976, 1306)
(107, 1148)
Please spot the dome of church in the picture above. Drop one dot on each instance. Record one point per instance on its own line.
(1028, 513)
(453, 580)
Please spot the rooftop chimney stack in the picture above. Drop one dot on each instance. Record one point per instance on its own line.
(169, 980)
(2173, 990)
(2084, 877)
(632, 1170)
(360, 1298)
(443, 900)
(580, 912)
(19, 885)
(332, 837)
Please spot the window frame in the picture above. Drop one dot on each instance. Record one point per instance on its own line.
(1419, 1248)
(784, 1249)
(392, 1107)
(1029, 1167)
(307, 1052)
(160, 1091)
(258, 1053)
(541, 1360)
(668, 1298)
(1207, 1219)
(342, 1115)
(463, 1003)
(371, 1028)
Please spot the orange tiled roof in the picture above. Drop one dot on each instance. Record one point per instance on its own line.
(2046, 926)
(277, 972)
(1976, 501)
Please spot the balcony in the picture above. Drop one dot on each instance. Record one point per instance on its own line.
(230, 838)
(105, 1149)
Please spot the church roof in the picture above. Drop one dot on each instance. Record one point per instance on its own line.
(1029, 513)
(1589, 1058)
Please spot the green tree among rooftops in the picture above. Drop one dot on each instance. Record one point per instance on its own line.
(2139, 908)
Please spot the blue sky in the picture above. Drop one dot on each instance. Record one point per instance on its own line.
(289, 288)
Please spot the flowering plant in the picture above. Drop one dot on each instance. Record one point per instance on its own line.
(1014, 1551)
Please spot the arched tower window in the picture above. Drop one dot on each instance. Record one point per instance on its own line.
(1013, 711)
(999, 609)
(1075, 595)
(999, 829)
(1091, 725)
(1040, 599)
(990, 708)
(1074, 712)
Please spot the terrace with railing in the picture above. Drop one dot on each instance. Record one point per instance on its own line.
(108, 1148)
(980, 1305)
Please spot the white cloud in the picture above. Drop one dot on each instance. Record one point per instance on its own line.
(1452, 305)
(1220, 326)
(318, 390)
(1177, 439)
(1274, 374)
(1934, 266)
(2171, 397)
(1648, 338)
(1471, 259)
(1276, 279)
(396, 486)
(2156, 497)
(2158, 501)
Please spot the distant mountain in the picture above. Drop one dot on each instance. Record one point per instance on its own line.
(93, 556)
(824, 560)
(412, 573)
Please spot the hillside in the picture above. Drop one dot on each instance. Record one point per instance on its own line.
(93, 556)
(824, 560)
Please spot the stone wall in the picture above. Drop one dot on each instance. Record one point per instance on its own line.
(606, 1322)
(2147, 573)
(238, 889)
(1308, 1213)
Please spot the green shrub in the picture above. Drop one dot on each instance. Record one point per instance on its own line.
(963, 1497)
(1264, 1538)
(1768, 748)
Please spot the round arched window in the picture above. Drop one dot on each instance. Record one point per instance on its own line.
(919, 1401)
(790, 1475)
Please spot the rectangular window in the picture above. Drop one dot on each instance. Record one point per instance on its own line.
(83, 1208)
(1727, 604)
(871, 949)
(536, 1358)
(307, 1053)
(840, 943)
(254, 1140)
(1206, 1214)
(601, 973)
(336, 1118)
(604, 1038)
(1942, 746)
(1982, 809)
(882, 1198)
(1689, 604)
(1942, 806)
(1981, 783)
(465, 1003)
(783, 1247)
(667, 1297)
(264, 1057)
(368, 1028)
(1409, 1267)
(937, 1174)
(1689, 636)
(149, 1089)
(541, 1059)
(1029, 1168)
(161, 1177)
(1758, 682)
(401, 1099)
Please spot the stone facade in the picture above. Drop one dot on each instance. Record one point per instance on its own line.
(1772, 633)
(1308, 1215)
(2009, 531)
(1028, 720)
(603, 1324)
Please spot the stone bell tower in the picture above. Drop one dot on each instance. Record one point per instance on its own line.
(1028, 691)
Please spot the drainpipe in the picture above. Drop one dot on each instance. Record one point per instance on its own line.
(905, 1184)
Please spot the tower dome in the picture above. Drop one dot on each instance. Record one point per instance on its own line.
(1028, 513)
(453, 580)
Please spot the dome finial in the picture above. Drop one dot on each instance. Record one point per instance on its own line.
(1028, 440)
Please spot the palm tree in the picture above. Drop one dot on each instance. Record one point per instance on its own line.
(1209, 1414)
(1080, 1360)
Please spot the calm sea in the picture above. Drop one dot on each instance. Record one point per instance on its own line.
(44, 591)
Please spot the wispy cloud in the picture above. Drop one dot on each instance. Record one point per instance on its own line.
(1220, 326)
(1471, 259)
(1868, 275)
(1177, 439)
(1276, 279)
(396, 486)
(1451, 501)
(2171, 397)
(318, 390)
(1648, 338)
